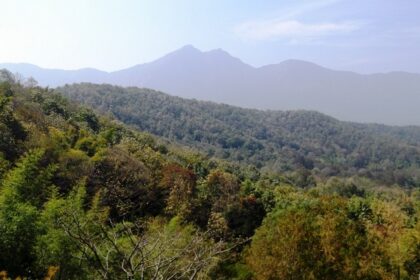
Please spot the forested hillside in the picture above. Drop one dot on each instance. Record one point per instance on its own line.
(82, 197)
(275, 141)
(85, 197)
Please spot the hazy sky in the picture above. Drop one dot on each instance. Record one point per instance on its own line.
(360, 35)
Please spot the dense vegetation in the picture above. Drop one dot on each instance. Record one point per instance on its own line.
(272, 140)
(85, 197)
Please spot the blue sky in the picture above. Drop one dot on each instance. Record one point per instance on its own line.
(360, 35)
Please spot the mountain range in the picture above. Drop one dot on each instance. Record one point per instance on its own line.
(389, 98)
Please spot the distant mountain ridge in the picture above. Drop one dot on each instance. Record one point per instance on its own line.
(390, 98)
(275, 141)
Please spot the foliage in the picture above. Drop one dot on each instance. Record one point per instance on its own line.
(272, 140)
(11, 131)
(84, 197)
(329, 237)
(23, 191)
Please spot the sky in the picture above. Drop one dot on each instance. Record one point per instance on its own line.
(364, 36)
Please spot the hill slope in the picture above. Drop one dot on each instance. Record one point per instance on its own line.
(215, 75)
(78, 190)
(85, 197)
(273, 140)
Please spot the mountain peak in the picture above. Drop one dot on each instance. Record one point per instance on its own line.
(188, 48)
(219, 52)
(184, 52)
(189, 55)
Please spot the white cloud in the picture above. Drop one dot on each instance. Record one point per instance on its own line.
(291, 30)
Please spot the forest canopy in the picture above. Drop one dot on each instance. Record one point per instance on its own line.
(273, 141)
(83, 196)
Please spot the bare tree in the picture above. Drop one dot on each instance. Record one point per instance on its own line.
(30, 82)
(131, 251)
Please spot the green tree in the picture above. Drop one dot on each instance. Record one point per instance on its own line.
(23, 191)
(11, 131)
(314, 238)
(182, 190)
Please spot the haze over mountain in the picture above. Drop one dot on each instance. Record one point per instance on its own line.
(390, 98)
